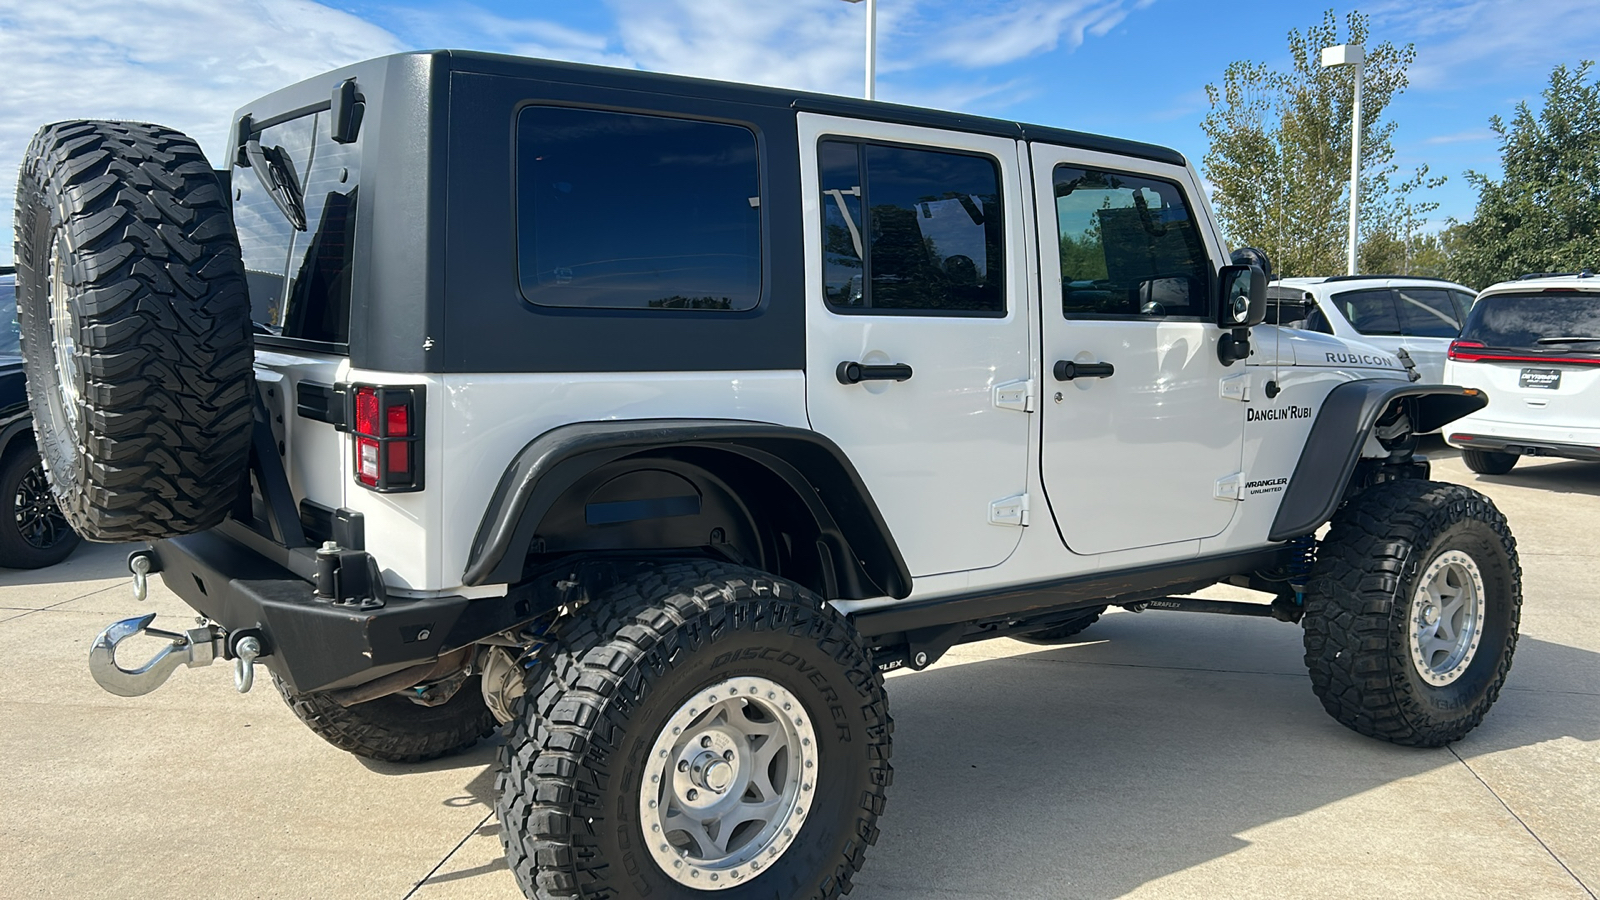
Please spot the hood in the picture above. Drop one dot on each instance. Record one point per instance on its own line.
(1297, 347)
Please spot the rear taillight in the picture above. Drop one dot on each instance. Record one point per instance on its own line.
(1475, 351)
(388, 437)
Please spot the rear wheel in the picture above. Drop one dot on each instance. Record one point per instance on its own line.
(702, 728)
(33, 533)
(135, 329)
(1412, 610)
(1489, 462)
(394, 728)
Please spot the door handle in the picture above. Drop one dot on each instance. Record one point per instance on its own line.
(1066, 370)
(855, 373)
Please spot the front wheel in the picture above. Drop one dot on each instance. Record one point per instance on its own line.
(700, 729)
(33, 533)
(1411, 613)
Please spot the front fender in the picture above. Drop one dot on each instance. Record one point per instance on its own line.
(1333, 447)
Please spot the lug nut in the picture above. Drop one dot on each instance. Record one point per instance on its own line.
(693, 794)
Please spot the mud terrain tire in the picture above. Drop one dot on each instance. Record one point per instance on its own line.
(577, 755)
(1371, 594)
(135, 326)
(392, 728)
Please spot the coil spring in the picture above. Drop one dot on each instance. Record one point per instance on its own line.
(1302, 555)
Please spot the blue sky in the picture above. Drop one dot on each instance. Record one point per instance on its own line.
(1130, 68)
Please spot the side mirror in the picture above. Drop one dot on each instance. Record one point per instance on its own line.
(1244, 304)
(1244, 297)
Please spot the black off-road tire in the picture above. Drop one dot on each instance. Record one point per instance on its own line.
(33, 534)
(125, 234)
(573, 762)
(1064, 630)
(1489, 462)
(392, 728)
(1359, 603)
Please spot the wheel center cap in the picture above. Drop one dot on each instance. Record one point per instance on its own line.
(718, 775)
(1430, 615)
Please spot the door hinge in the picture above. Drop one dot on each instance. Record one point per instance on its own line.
(1010, 511)
(1017, 395)
(1237, 387)
(1230, 487)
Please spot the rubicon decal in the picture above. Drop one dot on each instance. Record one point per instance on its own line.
(1363, 359)
(1277, 412)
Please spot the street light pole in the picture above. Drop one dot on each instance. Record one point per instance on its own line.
(1351, 55)
(872, 43)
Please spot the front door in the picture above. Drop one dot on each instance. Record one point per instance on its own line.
(1143, 425)
(917, 352)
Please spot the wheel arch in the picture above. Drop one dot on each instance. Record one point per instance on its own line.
(787, 499)
(1322, 477)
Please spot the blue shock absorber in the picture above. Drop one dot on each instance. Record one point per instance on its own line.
(1302, 554)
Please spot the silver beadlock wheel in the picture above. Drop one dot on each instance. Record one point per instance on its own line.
(730, 779)
(1446, 618)
(63, 338)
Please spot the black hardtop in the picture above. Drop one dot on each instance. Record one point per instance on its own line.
(316, 89)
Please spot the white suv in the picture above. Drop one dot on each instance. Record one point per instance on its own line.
(1418, 315)
(1533, 346)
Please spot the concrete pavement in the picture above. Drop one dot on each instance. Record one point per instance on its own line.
(1163, 755)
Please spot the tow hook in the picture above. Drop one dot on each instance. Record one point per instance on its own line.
(195, 647)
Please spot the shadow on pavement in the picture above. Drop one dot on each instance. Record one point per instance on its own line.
(1571, 477)
(1145, 750)
(90, 562)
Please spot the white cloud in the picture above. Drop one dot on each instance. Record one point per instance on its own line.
(994, 34)
(1475, 41)
(187, 64)
(1461, 137)
(467, 27)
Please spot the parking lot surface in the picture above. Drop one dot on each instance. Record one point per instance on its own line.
(1163, 755)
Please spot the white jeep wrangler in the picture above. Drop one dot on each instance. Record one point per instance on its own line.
(655, 418)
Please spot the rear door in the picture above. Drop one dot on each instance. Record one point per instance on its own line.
(916, 285)
(1142, 438)
(1429, 320)
(1372, 313)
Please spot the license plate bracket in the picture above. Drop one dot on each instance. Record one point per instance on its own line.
(1543, 379)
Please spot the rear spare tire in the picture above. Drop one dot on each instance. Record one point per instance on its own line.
(135, 326)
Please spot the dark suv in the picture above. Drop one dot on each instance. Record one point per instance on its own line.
(33, 532)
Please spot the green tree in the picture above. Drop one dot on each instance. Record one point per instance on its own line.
(1279, 156)
(1543, 214)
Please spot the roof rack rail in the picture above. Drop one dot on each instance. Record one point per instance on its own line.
(1583, 273)
(1335, 278)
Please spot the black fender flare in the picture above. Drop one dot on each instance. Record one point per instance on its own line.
(1332, 449)
(812, 465)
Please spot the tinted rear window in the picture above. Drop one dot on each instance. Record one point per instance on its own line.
(1523, 320)
(300, 280)
(624, 211)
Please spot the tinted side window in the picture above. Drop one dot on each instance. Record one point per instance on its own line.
(624, 211)
(299, 281)
(1427, 312)
(1369, 312)
(932, 241)
(1464, 303)
(1128, 246)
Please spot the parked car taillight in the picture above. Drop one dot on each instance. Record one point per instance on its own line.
(388, 437)
(1463, 350)
(1475, 351)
